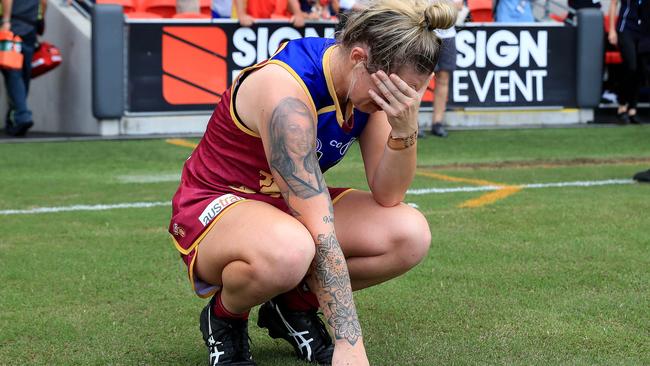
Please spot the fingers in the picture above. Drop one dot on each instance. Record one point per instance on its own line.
(386, 87)
(381, 102)
(404, 88)
(393, 88)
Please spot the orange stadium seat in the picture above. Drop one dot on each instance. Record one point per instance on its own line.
(480, 10)
(191, 16)
(558, 17)
(164, 8)
(142, 15)
(205, 7)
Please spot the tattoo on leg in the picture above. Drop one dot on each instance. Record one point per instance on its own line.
(332, 274)
(293, 151)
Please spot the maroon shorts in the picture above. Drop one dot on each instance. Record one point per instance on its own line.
(194, 213)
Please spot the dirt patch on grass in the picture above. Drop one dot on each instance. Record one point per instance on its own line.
(547, 163)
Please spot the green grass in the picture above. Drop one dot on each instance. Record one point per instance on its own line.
(543, 277)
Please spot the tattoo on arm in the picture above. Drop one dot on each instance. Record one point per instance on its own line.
(329, 219)
(293, 154)
(331, 272)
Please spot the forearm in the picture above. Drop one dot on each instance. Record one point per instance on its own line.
(612, 16)
(393, 175)
(6, 10)
(290, 143)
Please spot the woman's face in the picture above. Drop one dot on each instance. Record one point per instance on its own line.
(361, 83)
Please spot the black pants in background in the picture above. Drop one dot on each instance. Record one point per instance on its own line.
(634, 64)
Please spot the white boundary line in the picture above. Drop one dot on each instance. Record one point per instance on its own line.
(38, 210)
(592, 183)
(415, 192)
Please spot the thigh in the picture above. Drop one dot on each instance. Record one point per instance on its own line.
(252, 232)
(364, 228)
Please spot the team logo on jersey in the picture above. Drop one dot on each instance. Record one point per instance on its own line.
(178, 230)
(215, 207)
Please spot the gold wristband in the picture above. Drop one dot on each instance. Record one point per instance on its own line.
(401, 143)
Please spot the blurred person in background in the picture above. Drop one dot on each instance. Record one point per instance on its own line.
(446, 65)
(249, 10)
(24, 18)
(629, 29)
(221, 8)
(514, 11)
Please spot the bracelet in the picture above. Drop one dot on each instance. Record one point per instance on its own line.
(401, 143)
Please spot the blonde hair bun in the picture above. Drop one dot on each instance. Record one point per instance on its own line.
(439, 15)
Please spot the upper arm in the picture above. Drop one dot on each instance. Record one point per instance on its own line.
(275, 106)
(373, 142)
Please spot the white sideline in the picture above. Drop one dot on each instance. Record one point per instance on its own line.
(38, 210)
(415, 192)
(593, 183)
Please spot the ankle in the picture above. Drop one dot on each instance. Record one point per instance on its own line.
(221, 311)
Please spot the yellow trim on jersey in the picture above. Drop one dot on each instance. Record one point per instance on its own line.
(241, 125)
(298, 79)
(234, 118)
(330, 84)
(205, 232)
(340, 118)
(337, 198)
(329, 108)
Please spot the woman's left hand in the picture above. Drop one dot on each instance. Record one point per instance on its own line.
(400, 102)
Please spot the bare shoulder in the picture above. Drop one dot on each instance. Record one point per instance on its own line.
(263, 91)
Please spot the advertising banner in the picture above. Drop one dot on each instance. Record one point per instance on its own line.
(186, 67)
(176, 67)
(514, 67)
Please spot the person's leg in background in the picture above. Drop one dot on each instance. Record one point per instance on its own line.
(446, 65)
(629, 93)
(19, 116)
(441, 93)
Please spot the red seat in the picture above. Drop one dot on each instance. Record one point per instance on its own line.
(142, 15)
(558, 17)
(164, 8)
(191, 16)
(204, 6)
(481, 10)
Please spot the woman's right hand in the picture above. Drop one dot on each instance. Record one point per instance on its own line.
(346, 354)
(612, 37)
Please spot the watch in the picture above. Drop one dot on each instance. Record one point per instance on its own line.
(401, 143)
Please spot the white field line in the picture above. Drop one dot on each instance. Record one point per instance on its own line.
(592, 183)
(39, 210)
(149, 178)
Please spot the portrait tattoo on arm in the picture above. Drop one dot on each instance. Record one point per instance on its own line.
(293, 154)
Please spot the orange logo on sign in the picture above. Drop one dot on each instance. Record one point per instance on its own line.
(194, 64)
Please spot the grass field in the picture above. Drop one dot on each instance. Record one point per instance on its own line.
(541, 275)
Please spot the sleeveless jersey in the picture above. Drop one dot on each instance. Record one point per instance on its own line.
(230, 157)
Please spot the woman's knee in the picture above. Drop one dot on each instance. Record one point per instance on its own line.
(411, 239)
(285, 259)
